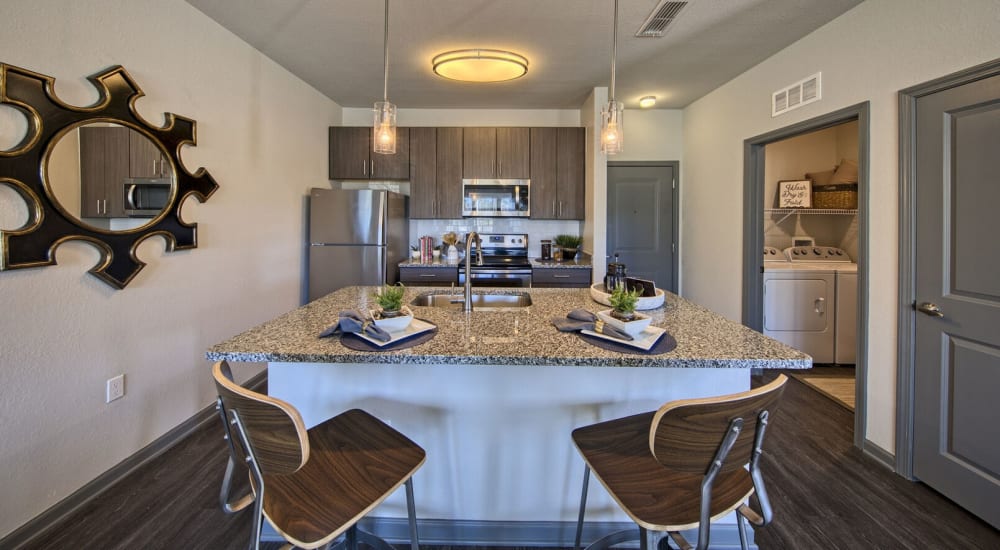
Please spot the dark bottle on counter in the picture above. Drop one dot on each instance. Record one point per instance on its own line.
(615, 275)
(546, 249)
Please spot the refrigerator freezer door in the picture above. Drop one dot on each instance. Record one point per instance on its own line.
(346, 217)
(334, 267)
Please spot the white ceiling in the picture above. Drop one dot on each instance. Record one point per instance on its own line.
(336, 46)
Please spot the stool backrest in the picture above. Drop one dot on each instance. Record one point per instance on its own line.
(685, 435)
(274, 428)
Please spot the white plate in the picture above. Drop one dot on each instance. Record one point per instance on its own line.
(416, 327)
(643, 341)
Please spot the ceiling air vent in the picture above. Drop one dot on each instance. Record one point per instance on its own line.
(659, 19)
(801, 93)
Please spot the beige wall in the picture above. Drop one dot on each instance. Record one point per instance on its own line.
(867, 54)
(262, 133)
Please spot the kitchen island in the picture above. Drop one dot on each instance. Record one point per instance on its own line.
(494, 396)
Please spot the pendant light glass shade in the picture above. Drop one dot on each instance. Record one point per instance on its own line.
(613, 114)
(384, 127)
(612, 128)
(384, 133)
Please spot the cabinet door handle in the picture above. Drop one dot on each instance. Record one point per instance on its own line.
(431, 275)
(499, 169)
(560, 208)
(364, 168)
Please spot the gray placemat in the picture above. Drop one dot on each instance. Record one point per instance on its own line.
(357, 343)
(664, 344)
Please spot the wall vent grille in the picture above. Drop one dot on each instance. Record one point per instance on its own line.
(660, 18)
(801, 93)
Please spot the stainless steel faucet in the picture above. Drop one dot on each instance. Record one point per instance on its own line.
(468, 272)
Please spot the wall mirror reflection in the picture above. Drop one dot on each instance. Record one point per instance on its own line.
(109, 176)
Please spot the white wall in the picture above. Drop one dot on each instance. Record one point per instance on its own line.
(261, 133)
(867, 54)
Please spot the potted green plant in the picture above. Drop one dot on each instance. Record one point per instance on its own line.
(415, 252)
(623, 315)
(436, 253)
(393, 315)
(570, 245)
(390, 299)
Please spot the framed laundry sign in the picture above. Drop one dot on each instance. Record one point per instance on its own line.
(795, 194)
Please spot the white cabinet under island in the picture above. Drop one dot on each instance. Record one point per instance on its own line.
(493, 397)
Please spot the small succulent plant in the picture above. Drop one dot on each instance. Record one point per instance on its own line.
(623, 301)
(390, 297)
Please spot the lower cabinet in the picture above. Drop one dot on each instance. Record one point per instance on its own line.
(560, 278)
(428, 276)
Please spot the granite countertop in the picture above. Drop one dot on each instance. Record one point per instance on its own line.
(523, 336)
(432, 263)
(583, 263)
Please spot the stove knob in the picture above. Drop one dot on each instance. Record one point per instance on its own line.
(816, 251)
(840, 252)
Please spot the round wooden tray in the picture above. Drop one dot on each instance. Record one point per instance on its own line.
(601, 295)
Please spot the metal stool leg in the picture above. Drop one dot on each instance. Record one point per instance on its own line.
(411, 512)
(742, 523)
(583, 507)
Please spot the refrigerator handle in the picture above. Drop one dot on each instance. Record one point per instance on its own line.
(383, 218)
(383, 272)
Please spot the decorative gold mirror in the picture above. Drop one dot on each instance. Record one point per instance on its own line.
(99, 174)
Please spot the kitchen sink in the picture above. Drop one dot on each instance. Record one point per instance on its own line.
(479, 301)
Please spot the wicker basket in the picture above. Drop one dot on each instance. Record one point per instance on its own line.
(842, 196)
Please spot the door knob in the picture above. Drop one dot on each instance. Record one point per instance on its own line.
(930, 309)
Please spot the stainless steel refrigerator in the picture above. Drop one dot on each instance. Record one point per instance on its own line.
(356, 237)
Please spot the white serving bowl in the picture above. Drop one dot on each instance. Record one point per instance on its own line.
(602, 296)
(394, 324)
(633, 328)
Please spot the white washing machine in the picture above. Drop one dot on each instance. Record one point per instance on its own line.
(803, 294)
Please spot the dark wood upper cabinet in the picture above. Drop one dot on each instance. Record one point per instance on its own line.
(570, 162)
(449, 172)
(145, 160)
(513, 153)
(423, 172)
(496, 153)
(544, 201)
(557, 173)
(351, 155)
(104, 164)
(479, 153)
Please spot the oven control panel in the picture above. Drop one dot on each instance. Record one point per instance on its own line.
(508, 241)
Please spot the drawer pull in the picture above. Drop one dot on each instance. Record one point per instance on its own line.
(428, 275)
(560, 276)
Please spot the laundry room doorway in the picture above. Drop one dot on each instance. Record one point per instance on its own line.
(805, 246)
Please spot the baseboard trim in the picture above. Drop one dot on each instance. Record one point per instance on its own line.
(531, 534)
(47, 520)
(880, 455)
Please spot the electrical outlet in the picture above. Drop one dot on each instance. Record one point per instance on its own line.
(115, 388)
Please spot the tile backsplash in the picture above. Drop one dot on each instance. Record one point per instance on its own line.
(536, 229)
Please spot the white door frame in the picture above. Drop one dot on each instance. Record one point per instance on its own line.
(905, 362)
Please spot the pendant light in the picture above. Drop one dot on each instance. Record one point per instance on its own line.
(384, 128)
(612, 116)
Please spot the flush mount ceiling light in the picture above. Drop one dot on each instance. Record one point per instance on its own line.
(480, 65)
(647, 101)
(612, 116)
(384, 127)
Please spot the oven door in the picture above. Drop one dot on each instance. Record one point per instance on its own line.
(485, 276)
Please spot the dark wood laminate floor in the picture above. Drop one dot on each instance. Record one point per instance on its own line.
(826, 495)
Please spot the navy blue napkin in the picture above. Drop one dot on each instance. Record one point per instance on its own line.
(581, 319)
(352, 321)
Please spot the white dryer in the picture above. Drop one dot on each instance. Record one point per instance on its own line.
(801, 301)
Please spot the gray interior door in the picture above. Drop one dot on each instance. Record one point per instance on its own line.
(957, 342)
(641, 221)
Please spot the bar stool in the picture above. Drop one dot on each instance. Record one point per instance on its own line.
(313, 485)
(683, 466)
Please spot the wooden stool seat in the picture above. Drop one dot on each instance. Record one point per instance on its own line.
(355, 462)
(312, 485)
(656, 498)
(682, 466)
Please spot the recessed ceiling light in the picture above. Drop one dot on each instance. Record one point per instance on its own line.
(647, 102)
(479, 65)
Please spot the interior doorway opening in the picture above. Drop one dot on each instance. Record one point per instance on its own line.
(805, 248)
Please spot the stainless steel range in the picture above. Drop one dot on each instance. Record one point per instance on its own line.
(505, 262)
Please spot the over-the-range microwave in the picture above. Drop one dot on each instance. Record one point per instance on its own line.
(496, 197)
